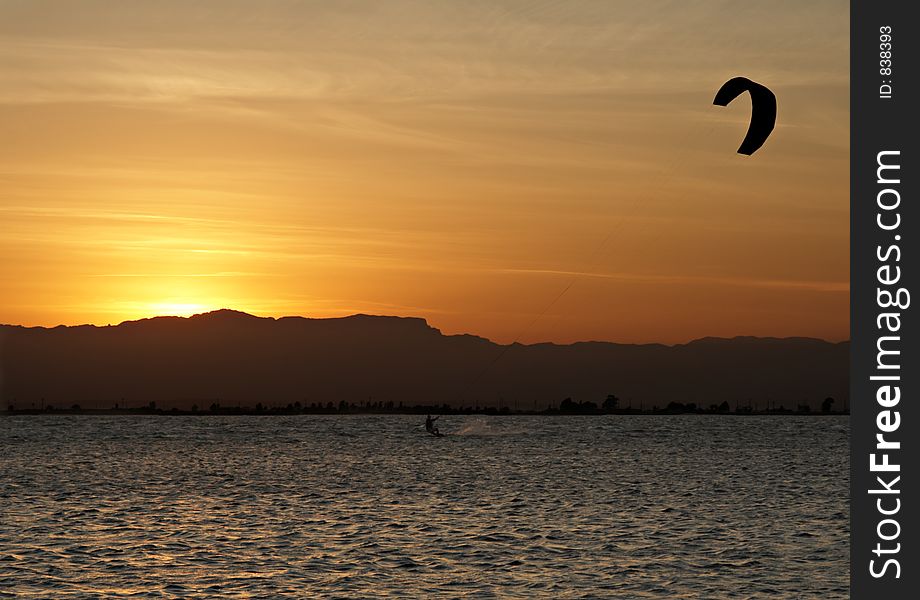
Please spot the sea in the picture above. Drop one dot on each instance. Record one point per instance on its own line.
(371, 506)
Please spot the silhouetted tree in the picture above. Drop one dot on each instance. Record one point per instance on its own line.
(611, 403)
(826, 405)
(570, 406)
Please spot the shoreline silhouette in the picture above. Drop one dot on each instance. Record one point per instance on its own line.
(574, 409)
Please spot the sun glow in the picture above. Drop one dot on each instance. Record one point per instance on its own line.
(178, 309)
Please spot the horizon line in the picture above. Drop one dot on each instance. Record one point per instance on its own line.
(226, 310)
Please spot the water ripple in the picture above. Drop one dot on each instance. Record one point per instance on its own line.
(370, 506)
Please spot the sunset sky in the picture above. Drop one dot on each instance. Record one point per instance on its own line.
(524, 171)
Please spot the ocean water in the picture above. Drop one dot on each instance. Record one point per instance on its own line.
(373, 507)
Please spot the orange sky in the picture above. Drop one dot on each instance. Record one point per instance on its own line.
(459, 161)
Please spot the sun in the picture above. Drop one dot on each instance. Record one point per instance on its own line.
(178, 309)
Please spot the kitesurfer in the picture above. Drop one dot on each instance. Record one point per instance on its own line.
(429, 425)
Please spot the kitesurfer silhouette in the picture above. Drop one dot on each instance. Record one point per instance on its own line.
(429, 425)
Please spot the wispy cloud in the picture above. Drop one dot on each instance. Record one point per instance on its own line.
(677, 279)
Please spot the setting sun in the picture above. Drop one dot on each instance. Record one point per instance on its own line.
(178, 309)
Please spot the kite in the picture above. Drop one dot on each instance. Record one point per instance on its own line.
(763, 110)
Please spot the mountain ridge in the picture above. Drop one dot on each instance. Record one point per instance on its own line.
(238, 358)
(244, 316)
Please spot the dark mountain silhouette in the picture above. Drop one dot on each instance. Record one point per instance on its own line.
(236, 358)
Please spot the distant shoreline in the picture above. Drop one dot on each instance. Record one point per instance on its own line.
(246, 411)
